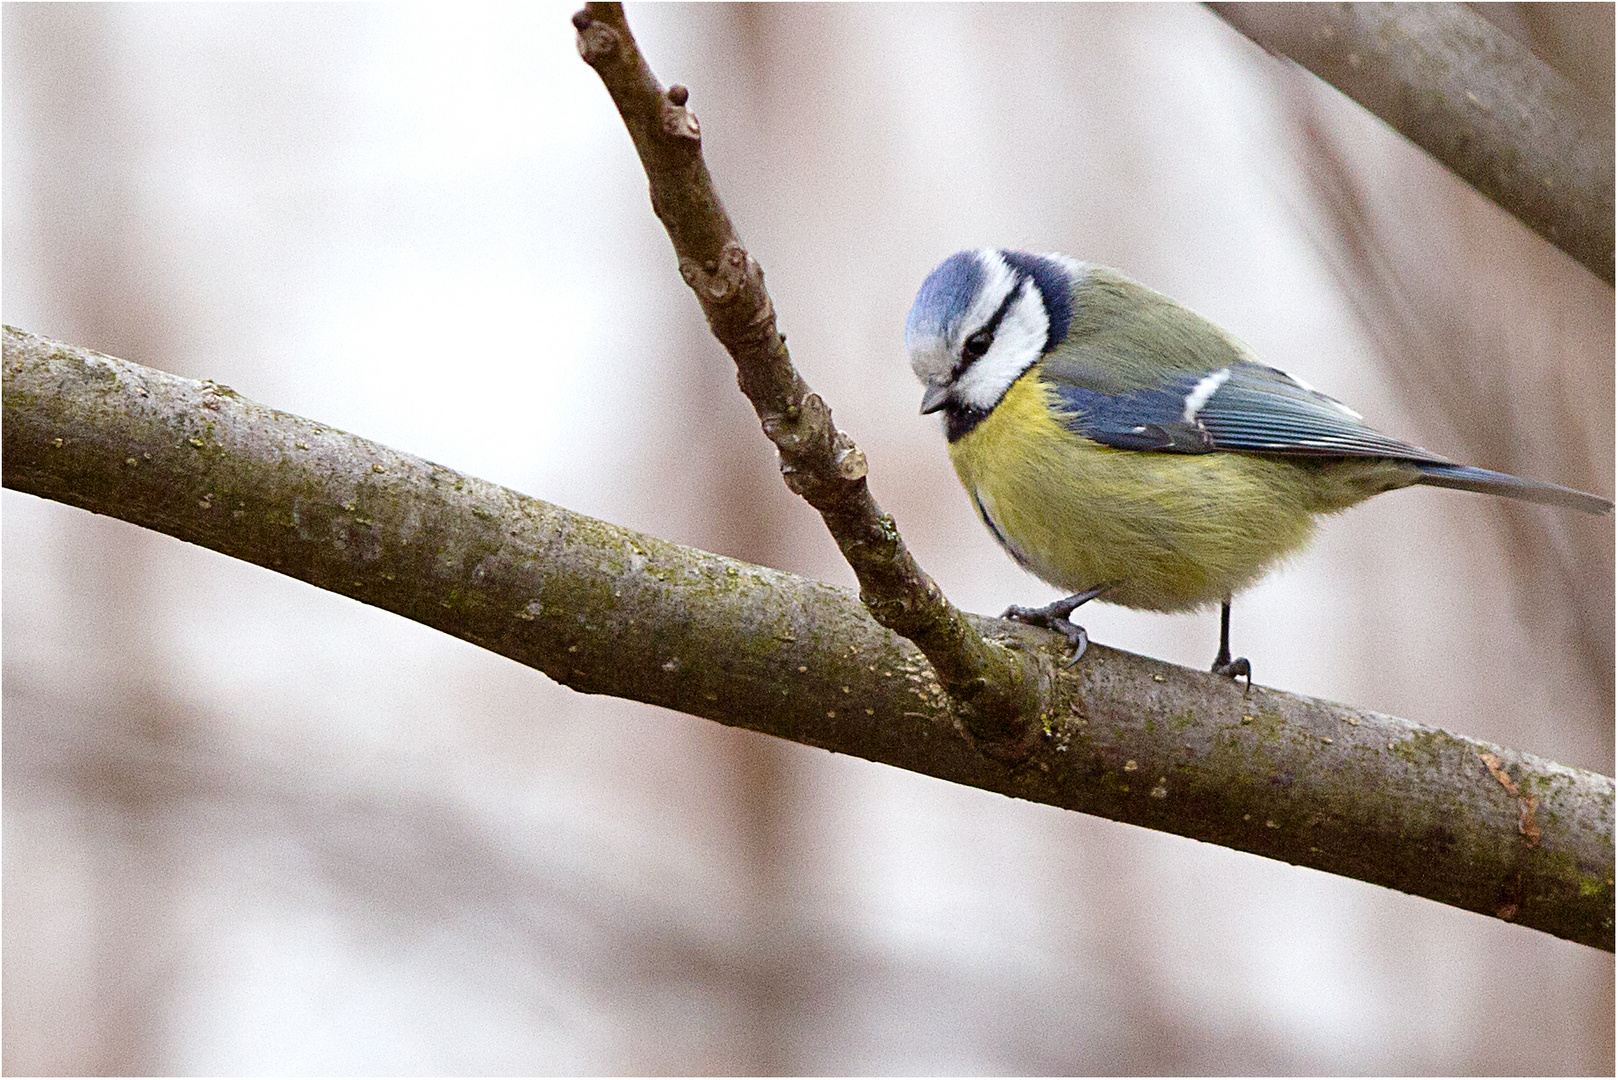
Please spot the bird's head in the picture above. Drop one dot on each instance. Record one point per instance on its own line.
(981, 319)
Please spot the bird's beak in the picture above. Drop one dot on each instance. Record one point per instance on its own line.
(934, 399)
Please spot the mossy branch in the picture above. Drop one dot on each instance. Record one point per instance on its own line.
(1472, 96)
(609, 611)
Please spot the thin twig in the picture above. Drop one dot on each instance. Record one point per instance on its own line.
(1000, 691)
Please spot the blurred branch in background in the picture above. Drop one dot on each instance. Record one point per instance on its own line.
(1471, 95)
(108, 276)
(608, 611)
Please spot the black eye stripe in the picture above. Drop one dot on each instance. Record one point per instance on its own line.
(993, 325)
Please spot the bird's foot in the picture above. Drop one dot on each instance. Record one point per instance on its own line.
(1233, 669)
(1055, 617)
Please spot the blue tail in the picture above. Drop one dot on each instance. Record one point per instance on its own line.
(1468, 478)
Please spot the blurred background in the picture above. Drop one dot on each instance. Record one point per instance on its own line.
(254, 827)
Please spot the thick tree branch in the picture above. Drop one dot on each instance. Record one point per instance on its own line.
(1469, 94)
(1000, 691)
(609, 611)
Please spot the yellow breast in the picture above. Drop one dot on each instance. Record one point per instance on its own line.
(1173, 531)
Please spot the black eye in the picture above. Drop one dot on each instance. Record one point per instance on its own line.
(977, 344)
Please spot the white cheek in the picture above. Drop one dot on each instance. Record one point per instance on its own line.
(1017, 344)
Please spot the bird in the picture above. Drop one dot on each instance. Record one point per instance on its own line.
(1119, 445)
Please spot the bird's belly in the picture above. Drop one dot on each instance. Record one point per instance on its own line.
(1171, 531)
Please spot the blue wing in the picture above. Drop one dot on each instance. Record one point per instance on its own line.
(1244, 407)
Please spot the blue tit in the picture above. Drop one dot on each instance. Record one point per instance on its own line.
(1117, 444)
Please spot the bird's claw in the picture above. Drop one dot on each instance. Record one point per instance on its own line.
(1054, 616)
(1233, 669)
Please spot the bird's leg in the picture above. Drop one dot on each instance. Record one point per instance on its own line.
(1223, 664)
(1054, 617)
